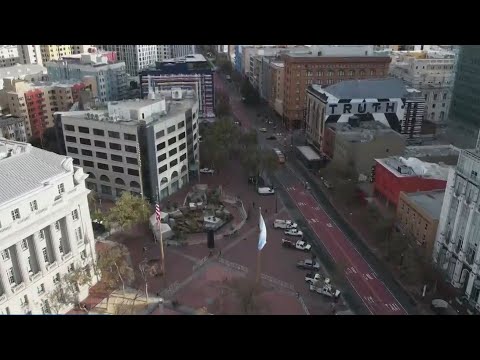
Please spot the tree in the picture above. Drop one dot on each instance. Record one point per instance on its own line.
(129, 210)
(47, 141)
(220, 142)
(222, 106)
(60, 297)
(248, 92)
(114, 268)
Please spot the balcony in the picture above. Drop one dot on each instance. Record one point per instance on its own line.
(51, 266)
(67, 257)
(35, 277)
(18, 288)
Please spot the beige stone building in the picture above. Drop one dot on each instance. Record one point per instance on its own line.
(54, 52)
(276, 95)
(418, 214)
(358, 144)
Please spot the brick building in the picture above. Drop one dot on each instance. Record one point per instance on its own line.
(302, 70)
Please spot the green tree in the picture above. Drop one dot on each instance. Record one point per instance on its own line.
(114, 268)
(248, 92)
(128, 211)
(220, 142)
(222, 106)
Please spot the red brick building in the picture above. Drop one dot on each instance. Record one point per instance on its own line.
(393, 175)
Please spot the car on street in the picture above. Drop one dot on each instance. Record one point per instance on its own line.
(284, 224)
(244, 99)
(228, 77)
(236, 122)
(266, 191)
(293, 232)
(308, 264)
(272, 137)
(325, 288)
(299, 245)
(311, 278)
(207, 171)
(262, 129)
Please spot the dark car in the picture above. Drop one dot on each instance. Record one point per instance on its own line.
(272, 137)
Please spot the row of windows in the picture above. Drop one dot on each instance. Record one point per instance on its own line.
(99, 132)
(102, 144)
(170, 130)
(102, 166)
(174, 162)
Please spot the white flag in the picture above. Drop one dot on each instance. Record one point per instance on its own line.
(262, 238)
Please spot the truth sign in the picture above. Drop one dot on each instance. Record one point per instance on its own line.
(362, 108)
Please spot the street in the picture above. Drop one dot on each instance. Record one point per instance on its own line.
(374, 294)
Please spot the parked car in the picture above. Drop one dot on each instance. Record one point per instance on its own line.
(228, 77)
(325, 288)
(310, 278)
(207, 171)
(236, 122)
(272, 137)
(262, 129)
(293, 232)
(284, 224)
(266, 191)
(299, 245)
(308, 264)
(442, 307)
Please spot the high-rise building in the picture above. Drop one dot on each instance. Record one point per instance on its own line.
(182, 50)
(54, 52)
(36, 102)
(8, 55)
(13, 128)
(30, 54)
(465, 106)
(191, 72)
(430, 72)
(110, 78)
(164, 52)
(135, 57)
(45, 228)
(82, 49)
(457, 244)
(147, 147)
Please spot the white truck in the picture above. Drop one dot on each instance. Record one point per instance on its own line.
(284, 224)
(311, 278)
(324, 288)
(299, 245)
(308, 264)
(266, 191)
(293, 232)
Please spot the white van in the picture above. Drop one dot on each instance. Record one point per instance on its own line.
(266, 191)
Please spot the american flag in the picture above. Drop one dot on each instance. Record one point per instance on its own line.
(158, 212)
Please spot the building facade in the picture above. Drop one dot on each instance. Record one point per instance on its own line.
(430, 72)
(45, 231)
(465, 106)
(182, 50)
(13, 128)
(110, 79)
(396, 174)
(190, 73)
(135, 57)
(417, 216)
(36, 102)
(276, 93)
(304, 70)
(54, 52)
(147, 147)
(82, 49)
(456, 250)
(8, 55)
(388, 101)
(30, 54)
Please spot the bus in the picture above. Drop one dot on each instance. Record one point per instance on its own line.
(280, 156)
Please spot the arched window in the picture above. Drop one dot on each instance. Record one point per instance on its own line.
(351, 73)
(119, 181)
(184, 168)
(134, 184)
(91, 176)
(432, 116)
(362, 72)
(341, 72)
(104, 178)
(164, 181)
(174, 175)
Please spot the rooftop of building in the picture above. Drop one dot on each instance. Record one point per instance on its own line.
(278, 64)
(366, 89)
(25, 168)
(21, 69)
(440, 154)
(186, 59)
(6, 120)
(413, 167)
(430, 201)
(362, 131)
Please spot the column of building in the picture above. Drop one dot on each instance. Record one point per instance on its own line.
(21, 263)
(451, 244)
(55, 243)
(72, 240)
(4, 278)
(38, 253)
(461, 254)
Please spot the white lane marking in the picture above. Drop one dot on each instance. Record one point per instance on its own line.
(393, 307)
(313, 220)
(369, 277)
(370, 299)
(329, 225)
(301, 204)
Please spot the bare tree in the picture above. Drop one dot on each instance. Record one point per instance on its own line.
(246, 292)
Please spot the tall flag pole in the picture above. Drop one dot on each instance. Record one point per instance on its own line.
(262, 241)
(158, 215)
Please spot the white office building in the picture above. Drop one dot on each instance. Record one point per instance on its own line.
(145, 146)
(456, 250)
(136, 57)
(30, 54)
(8, 55)
(45, 227)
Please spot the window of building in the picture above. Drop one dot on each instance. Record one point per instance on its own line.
(5, 254)
(444, 96)
(101, 155)
(183, 157)
(11, 276)
(87, 152)
(132, 161)
(24, 244)
(117, 169)
(133, 172)
(99, 143)
(172, 140)
(40, 289)
(362, 72)
(173, 162)
(75, 214)
(84, 130)
(87, 163)
(170, 129)
(114, 134)
(161, 146)
(116, 158)
(85, 141)
(195, 146)
(56, 278)
(181, 124)
(131, 149)
(159, 134)
(69, 127)
(435, 97)
(372, 72)
(106, 189)
(98, 132)
(172, 152)
(162, 157)
(115, 146)
(72, 139)
(102, 166)
(130, 137)
(15, 214)
(45, 255)
(72, 150)
(57, 225)
(182, 147)
(180, 136)
(41, 234)
(33, 205)
(162, 169)
(341, 73)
